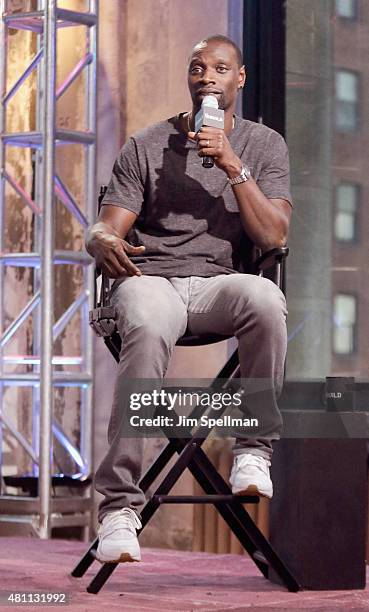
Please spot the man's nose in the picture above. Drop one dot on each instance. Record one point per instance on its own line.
(209, 75)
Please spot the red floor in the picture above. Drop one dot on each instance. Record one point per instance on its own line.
(164, 580)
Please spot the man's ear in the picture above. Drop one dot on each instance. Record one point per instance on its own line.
(242, 77)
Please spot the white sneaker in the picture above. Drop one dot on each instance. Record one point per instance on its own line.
(250, 476)
(118, 541)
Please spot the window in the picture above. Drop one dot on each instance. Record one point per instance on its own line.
(344, 324)
(345, 222)
(346, 8)
(347, 86)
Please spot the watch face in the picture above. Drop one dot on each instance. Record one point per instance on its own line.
(246, 172)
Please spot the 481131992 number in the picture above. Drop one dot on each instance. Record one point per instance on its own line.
(33, 597)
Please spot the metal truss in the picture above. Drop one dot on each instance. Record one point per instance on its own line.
(45, 511)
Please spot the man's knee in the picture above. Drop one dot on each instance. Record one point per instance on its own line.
(261, 300)
(151, 328)
(147, 315)
(267, 298)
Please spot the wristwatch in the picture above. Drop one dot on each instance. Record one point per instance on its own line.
(241, 178)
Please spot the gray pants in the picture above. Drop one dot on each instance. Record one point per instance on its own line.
(153, 312)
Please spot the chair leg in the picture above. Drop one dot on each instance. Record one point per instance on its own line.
(148, 478)
(87, 560)
(101, 577)
(188, 449)
(239, 520)
(150, 508)
(230, 369)
(234, 514)
(191, 456)
(157, 467)
(150, 475)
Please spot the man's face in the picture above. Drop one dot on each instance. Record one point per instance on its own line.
(213, 70)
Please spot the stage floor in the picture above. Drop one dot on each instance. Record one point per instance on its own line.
(164, 580)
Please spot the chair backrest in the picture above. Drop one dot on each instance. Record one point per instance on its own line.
(101, 298)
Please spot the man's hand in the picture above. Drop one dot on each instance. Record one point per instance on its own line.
(213, 142)
(111, 252)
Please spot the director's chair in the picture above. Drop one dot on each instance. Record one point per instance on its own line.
(188, 446)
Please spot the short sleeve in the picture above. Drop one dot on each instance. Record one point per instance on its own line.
(126, 186)
(274, 178)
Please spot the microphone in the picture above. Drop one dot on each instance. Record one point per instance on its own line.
(209, 114)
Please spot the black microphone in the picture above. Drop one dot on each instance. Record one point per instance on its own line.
(209, 114)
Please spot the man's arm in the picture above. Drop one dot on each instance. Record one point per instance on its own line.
(266, 221)
(105, 242)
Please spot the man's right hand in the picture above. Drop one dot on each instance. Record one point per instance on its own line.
(110, 250)
(112, 254)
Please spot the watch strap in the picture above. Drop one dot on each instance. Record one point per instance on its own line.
(241, 178)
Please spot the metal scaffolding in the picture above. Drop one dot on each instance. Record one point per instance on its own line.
(39, 513)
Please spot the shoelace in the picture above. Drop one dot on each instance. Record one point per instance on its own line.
(126, 518)
(248, 459)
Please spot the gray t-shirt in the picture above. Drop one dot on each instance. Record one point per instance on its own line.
(188, 216)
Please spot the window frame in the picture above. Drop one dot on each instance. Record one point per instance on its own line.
(347, 18)
(354, 351)
(358, 191)
(356, 73)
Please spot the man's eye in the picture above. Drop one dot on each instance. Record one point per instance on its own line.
(222, 68)
(195, 69)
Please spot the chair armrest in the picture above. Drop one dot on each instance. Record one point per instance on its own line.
(102, 320)
(271, 258)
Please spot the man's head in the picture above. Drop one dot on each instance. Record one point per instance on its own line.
(215, 67)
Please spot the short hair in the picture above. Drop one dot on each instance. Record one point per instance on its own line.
(222, 39)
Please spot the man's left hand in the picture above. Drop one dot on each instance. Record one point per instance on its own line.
(213, 142)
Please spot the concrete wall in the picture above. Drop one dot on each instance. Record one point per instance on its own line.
(309, 85)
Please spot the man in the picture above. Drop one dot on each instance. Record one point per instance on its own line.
(185, 227)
